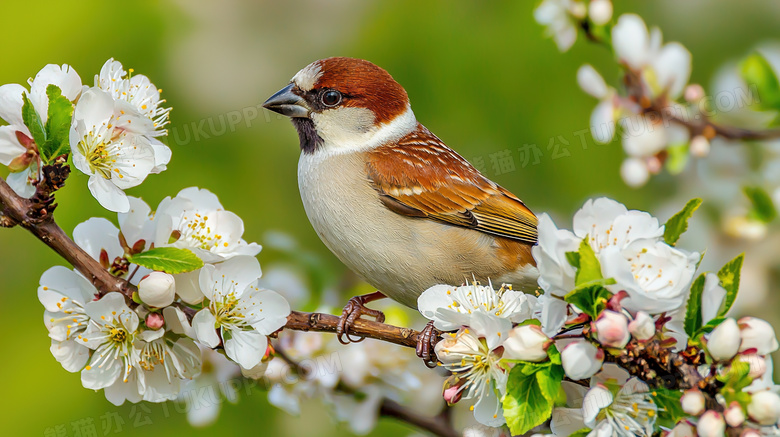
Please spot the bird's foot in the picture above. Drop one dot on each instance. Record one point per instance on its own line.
(352, 311)
(426, 344)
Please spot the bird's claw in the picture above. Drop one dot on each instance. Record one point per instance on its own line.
(426, 344)
(352, 312)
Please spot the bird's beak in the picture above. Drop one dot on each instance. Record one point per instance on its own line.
(286, 102)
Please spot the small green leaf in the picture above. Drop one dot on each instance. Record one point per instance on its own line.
(57, 125)
(589, 266)
(757, 71)
(33, 121)
(763, 208)
(553, 354)
(591, 297)
(669, 408)
(677, 159)
(729, 279)
(168, 259)
(584, 432)
(531, 394)
(693, 319)
(734, 381)
(709, 326)
(678, 223)
(574, 259)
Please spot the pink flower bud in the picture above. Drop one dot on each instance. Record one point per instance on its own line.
(526, 343)
(692, 402)
(734, 415)
(723, 342)
(711, 424)
(155, 321)
(581, 359)
(764, 408)
(453, 394)
(642, 327)
(157, 289)
(612, 329)
(693, 92)
(757, 334)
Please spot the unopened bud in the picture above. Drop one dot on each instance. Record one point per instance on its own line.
(734, 415)
(642, 327)
(764, 408)
(612, 329)
(600, 11)
(683, 429)
(757, 334)
(724, 341)
(526, 343)
(692, 402)
(700, 146)
(711, 424)
(581, 359)
(155, 321)
(157, 289)
(453, 393)
(693, 92)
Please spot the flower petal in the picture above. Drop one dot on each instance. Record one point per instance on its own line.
(204, 324)
(96, 234)
(246, 348)
(107, 194)
(10, 148)
(11, 103)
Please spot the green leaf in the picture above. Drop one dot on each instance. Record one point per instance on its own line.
(33, 121)
(757, 71)
(589, 266)
(531, 394)
(677, 159)
(591, 297)
(693, 319)
(729, 279)
(57, 125)
(669, 408)
(168, 259)
(763, 208)
(553, 354)
(734, 381)
(582, 432)
(709, 326)
(574, 259)
(678, 223)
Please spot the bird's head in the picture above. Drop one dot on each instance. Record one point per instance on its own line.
(340, 105)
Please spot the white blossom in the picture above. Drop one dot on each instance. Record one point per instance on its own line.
(634, 172)
(561, 18)
(476, 374)
(488, 311)
(18, 150)
(734, 415)
(64, 293)
(242, 313)
(113, 158)
(627, 413)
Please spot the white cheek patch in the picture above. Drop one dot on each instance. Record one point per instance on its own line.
(308, 76)
(352, 129)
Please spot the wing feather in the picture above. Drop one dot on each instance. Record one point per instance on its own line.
(454, 193)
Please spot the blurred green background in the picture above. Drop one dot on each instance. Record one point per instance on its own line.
(480, 75)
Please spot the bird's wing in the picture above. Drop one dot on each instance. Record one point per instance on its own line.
(421, 177)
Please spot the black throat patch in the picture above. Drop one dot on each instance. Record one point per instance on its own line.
(307, 134)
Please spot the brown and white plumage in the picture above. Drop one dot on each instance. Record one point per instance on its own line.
(388, 197)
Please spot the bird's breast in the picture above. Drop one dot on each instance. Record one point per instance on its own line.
(399, 255)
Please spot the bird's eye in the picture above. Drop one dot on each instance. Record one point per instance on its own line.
(331, 98)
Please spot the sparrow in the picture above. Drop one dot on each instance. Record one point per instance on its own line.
(390, 199)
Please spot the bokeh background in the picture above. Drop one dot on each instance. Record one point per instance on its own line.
(480, 75)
